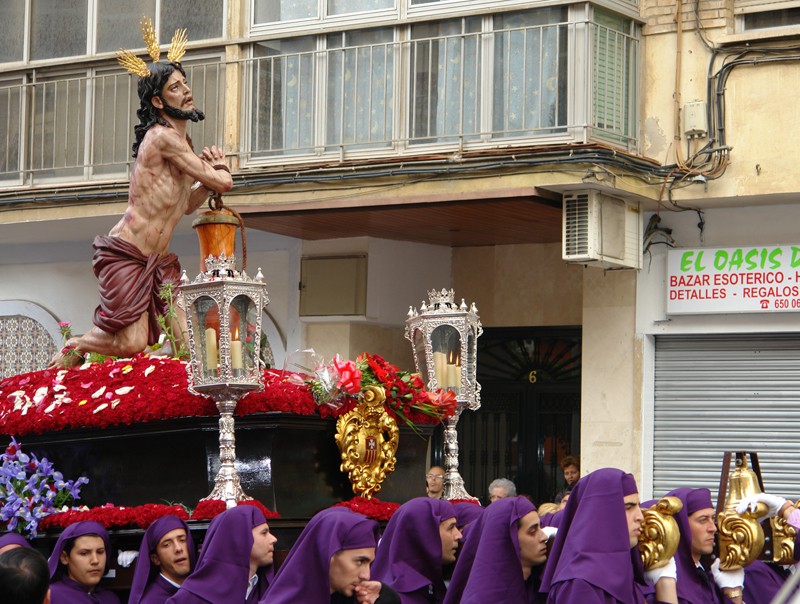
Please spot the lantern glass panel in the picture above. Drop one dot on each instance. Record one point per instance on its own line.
(244, 339)
(420, 358)
(446, 345)
(205, 319)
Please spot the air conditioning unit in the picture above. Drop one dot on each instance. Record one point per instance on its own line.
(600, 230)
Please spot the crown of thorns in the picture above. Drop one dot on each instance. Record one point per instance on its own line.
(136, 65)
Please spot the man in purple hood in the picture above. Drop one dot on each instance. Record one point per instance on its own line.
(12, 540)
(696, 583)
(420, 539)
(78, 562)
(235, 563)
(330, 563)
(166, 557)
(595, 558)
(501, 560)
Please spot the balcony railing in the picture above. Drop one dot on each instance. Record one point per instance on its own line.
(555, 83)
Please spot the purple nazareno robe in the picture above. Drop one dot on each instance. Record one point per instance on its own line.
(148, 587)
(64, 590)
(489, 568)
(409, 556)
(592, 560)
(695, 584)
(305, 574)
(762, 582)
(223, 567)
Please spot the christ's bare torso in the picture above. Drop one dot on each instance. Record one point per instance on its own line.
(158, 196)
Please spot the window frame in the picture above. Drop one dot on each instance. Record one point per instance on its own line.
(92, 53)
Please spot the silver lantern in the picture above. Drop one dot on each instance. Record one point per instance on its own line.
(444, 338)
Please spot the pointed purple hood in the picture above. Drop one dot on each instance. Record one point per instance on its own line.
(145, 570)
(409, 556)
(592, 543)
(305, 574)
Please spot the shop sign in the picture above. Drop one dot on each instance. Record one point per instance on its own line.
(733, 280)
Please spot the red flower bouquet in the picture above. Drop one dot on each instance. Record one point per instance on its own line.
(209, 508)
(371, 508)
(111, 516)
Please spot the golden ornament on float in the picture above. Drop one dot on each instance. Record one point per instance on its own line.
(660, 535)
(367, 438)
(741, 537)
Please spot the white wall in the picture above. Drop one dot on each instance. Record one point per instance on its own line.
(399, 273)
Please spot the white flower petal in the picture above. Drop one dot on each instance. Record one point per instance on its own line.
(40, 394)
(99, 392)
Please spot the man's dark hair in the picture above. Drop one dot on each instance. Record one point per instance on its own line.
(570, 460)
(150, 87)
(24, 576)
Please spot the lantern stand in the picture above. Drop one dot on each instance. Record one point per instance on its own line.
(444, 337)
(223, 315)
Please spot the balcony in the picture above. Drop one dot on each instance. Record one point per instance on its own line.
(449, 86)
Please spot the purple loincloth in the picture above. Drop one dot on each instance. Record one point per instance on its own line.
(130, 283)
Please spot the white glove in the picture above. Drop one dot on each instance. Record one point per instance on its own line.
(550, 531)
(126, 557)
(670, 571)
(727, 578)
(774, 502)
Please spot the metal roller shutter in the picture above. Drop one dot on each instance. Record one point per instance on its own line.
(716, 393)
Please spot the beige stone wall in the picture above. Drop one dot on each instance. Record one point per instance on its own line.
(660, 15)
(761, 119)
(611, 418)
(348, 340)
(519, 284)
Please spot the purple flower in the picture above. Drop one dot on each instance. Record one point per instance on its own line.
(31, 489)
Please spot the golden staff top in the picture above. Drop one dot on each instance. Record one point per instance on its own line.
(135, 65)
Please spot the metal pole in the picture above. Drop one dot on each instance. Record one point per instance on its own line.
(227, 486)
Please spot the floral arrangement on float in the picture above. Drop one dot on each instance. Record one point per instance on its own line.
(373, 508)
(31, 489)
(145, 388)
(142, 516)
(339, 385)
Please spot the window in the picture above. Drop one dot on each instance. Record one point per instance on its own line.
(58, 28)
(340, 7)
(58, 131)
(275, 11)
(115, 105)
(360, 88)
(282, 11)
(772, 18)
(613, 77)
(118, 23)
(444, 90)
(530, 72)
(73, 28)
(11, 128)
(12, 18)
(282, 90)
